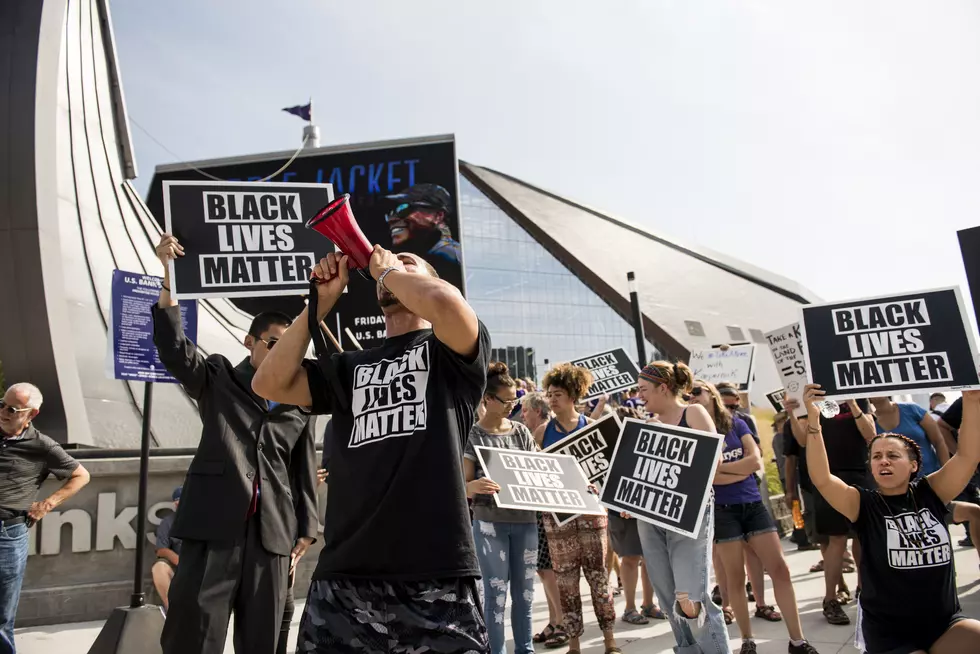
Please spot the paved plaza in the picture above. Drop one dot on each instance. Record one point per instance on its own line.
(654, 638)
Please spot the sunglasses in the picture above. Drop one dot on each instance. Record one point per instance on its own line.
(12, 410)
(271, 343)
(696, 391)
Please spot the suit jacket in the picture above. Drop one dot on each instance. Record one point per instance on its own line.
(242, 438)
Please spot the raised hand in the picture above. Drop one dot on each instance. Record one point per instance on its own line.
(812, 393)
(382, 259)
(168, 249)
(331, 275)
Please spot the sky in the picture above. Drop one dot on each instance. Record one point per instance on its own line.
(836, 143)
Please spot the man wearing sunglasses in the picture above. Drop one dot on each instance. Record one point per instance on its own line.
(418, 225)
(248, 505)
(27, 457)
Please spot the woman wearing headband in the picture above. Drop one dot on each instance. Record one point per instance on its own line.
(908, 601)
(743, 522)
(680, 567)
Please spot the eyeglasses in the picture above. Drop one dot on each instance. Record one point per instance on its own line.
(506, 402)
(271, 343)
(12, 410)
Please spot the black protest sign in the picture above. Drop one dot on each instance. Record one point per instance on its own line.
(612, 371)
(970, 247)
(535, 481)
(593, 447)
(244, 239)
(662, 474)
(910, 343)
(776, 399)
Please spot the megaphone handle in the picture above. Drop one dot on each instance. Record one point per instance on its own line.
(366, 275)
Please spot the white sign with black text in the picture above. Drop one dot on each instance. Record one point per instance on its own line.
(786, 346)
(733, 364)
(535, 481)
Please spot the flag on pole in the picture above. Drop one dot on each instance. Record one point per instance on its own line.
(304, 111)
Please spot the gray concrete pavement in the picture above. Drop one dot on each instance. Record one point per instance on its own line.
(654, 638)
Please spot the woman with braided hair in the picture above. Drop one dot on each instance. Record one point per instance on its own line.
(902, 527)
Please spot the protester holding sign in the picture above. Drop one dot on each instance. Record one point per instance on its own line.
(902, 527)
(679, 567)
(743, 522)
(248, 507)
(581, 543)
(506, 539)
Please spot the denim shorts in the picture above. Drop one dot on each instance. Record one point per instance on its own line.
(741, 521)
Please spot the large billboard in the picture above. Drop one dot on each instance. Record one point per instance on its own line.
(404, 195)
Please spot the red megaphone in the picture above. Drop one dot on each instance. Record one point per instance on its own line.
(336, 222)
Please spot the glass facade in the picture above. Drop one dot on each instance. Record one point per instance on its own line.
(527, 298)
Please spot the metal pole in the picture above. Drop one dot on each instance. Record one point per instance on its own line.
(138, 600)
(641, 349)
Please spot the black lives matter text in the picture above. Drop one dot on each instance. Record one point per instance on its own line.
(917, 541)
(887, 346)
(590, 452)
(539, 481)
(652, 485)
(255, 238)
(388, 399)
(608, 373)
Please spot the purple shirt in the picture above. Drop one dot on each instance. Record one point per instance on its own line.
(744, 491)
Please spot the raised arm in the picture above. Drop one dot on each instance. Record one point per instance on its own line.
(865, 423)
(845, 499)
(178, 354)
(282, 377)
(935, 437)
(797, 425)
(436, 301)
(950, 480)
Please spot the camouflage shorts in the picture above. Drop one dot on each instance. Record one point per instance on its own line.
(350, 616)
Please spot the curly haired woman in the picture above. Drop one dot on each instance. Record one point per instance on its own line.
(581, 543)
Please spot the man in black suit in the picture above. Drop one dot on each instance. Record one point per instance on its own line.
(248, 505)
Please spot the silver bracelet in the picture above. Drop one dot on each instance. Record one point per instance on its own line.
(384, 273)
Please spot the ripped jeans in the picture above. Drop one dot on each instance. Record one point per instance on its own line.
(508, 553)
(678, 564)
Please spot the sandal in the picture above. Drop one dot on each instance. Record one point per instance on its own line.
(614, 650)
(848, 568)
(633, 616)
(545, 634)
(653, 611)
(558, 638)
(817, 567)
(729, 614)
(768, 613)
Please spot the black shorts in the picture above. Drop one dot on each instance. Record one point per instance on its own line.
(741, 521)
(624, 537)
(829, 521)
(903, 636)
(357, 616)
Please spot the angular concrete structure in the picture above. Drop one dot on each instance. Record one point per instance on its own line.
(68, 217)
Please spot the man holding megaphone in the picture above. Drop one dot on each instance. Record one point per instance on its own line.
(399, 566)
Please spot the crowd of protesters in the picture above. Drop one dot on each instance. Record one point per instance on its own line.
(883, 476)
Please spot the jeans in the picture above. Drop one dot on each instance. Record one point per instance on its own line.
(13, 562)
(677, 564)
(508, 552)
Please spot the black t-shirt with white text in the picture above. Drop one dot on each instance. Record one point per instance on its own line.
(792, 448)
(401, 414)
(906, 545)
